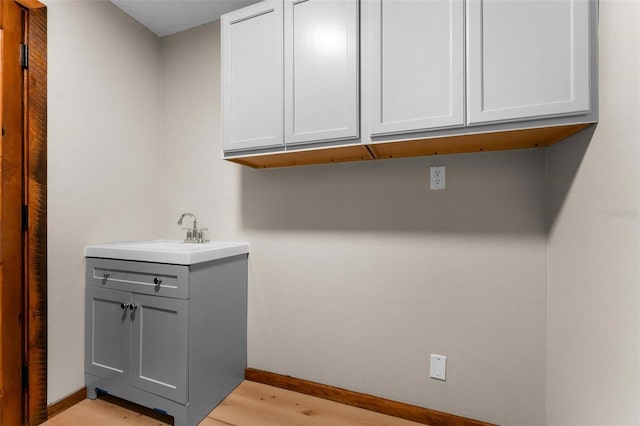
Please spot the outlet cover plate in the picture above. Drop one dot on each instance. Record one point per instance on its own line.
(437, 178)
(438, 367)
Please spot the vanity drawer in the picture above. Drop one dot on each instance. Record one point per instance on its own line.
(139, 277)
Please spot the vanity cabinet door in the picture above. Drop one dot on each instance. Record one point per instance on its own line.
(108, 333)
(160, 346)
(321, 70)
(416, 65)
(252, 79)
(527, 59)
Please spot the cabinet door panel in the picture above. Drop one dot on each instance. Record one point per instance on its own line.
(108, 334)
(417, 64)
(527, 59)
(252, 77)
(321, 70)
(160, 346)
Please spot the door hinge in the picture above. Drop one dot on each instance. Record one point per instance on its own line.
(24, 56)
(25, 218)
(25, 377)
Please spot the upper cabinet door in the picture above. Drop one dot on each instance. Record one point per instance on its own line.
(417, 65)
(527, 59)
(252, 85)
(321, 70)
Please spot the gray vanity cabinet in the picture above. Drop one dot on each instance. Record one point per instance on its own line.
(169, 337)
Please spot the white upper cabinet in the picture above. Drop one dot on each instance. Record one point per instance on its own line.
(430, 70)
(252, 71)
(416, 65)
(527, 59)
(321, 70)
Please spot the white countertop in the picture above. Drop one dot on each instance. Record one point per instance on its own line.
(166, 251)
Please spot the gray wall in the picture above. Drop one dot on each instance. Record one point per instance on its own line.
(103, 145)
(358, 272)
(593, 245)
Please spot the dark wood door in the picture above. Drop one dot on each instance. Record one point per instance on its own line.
(23, 105)
(11, 201)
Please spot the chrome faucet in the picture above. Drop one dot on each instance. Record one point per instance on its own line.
(195, 234)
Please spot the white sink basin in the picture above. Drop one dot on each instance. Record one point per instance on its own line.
(166, 251)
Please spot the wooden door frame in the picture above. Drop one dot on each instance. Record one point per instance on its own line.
(36, 198)
(11, 235)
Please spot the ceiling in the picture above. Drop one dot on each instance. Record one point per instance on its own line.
(165, 17)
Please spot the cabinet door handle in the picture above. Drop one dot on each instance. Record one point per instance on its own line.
(106, 274)
(124, 306)
(157, 280)
(133, 306)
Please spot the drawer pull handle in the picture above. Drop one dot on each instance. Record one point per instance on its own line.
(124, 306)
(106, 274)
(157, 280)
(133, 306)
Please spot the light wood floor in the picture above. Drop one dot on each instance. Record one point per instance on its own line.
(250, 404)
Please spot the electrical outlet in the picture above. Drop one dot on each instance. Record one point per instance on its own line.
(438, 367)
(437, 178)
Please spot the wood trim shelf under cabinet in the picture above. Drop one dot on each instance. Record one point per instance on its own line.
(460, 144)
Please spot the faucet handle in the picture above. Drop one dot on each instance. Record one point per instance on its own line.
(190, 236)
(200, 236)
